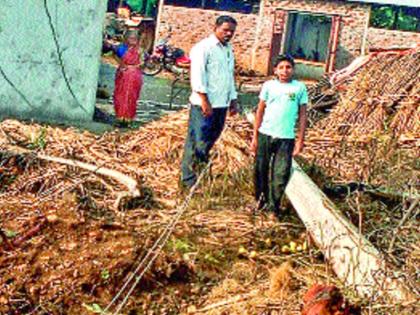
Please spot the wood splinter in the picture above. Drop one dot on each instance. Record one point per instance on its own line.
(11, 245)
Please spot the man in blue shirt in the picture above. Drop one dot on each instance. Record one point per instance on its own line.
(282, 103)
(213, 95)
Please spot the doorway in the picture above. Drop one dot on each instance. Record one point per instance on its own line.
(307, 37)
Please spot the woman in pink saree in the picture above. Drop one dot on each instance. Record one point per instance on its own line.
(128, 79)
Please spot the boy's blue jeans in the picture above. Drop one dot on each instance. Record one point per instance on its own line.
(202, 134)
(272, 170)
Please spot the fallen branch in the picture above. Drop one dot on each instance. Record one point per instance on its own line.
(402, 222)
(392, 195)
(123, 179)
(6, 241)
(11, 245)
(30, 233)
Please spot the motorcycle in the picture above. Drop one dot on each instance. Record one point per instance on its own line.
(167, 57)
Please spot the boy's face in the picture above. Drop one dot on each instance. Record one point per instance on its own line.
(284, 71)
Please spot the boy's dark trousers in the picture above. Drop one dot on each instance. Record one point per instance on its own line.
(202, 134)
(272, 170)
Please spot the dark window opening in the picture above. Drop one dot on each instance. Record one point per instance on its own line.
(307, 36)
(241, 6)
(395, 18)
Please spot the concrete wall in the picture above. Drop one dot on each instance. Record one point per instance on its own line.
(379, 39)
(32, 83)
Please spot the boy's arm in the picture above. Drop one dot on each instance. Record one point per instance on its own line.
(301, 130)
(258, 120)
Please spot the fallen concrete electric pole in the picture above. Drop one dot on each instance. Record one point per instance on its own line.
(352, 257)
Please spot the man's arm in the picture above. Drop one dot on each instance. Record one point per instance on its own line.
(205, 105)
(199, 77)
(233, 106)
(257, 124)
(301, 130)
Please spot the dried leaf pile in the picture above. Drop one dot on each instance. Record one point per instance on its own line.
(374, 127)
(67, 250)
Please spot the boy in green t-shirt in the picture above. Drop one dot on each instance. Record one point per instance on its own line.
(282, 103)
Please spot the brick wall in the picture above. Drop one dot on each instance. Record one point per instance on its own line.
(187, 26)
(379, 39)
(254, 38)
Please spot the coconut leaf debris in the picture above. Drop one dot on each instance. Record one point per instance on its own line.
(71, 236)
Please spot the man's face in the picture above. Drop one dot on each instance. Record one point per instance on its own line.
(284, 71)
(224, 32)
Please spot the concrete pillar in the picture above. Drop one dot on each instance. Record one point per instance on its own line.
(49, 58)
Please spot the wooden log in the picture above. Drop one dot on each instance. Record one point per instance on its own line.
(123, 179)
(353, 258)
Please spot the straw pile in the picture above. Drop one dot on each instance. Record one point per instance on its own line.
(64, 248)
(151, 155)
(374, 127)
(54, 263)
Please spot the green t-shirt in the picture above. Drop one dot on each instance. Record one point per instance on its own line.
(282, 107)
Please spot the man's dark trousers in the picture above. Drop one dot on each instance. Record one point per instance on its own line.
(272, 170)
(202, 134)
